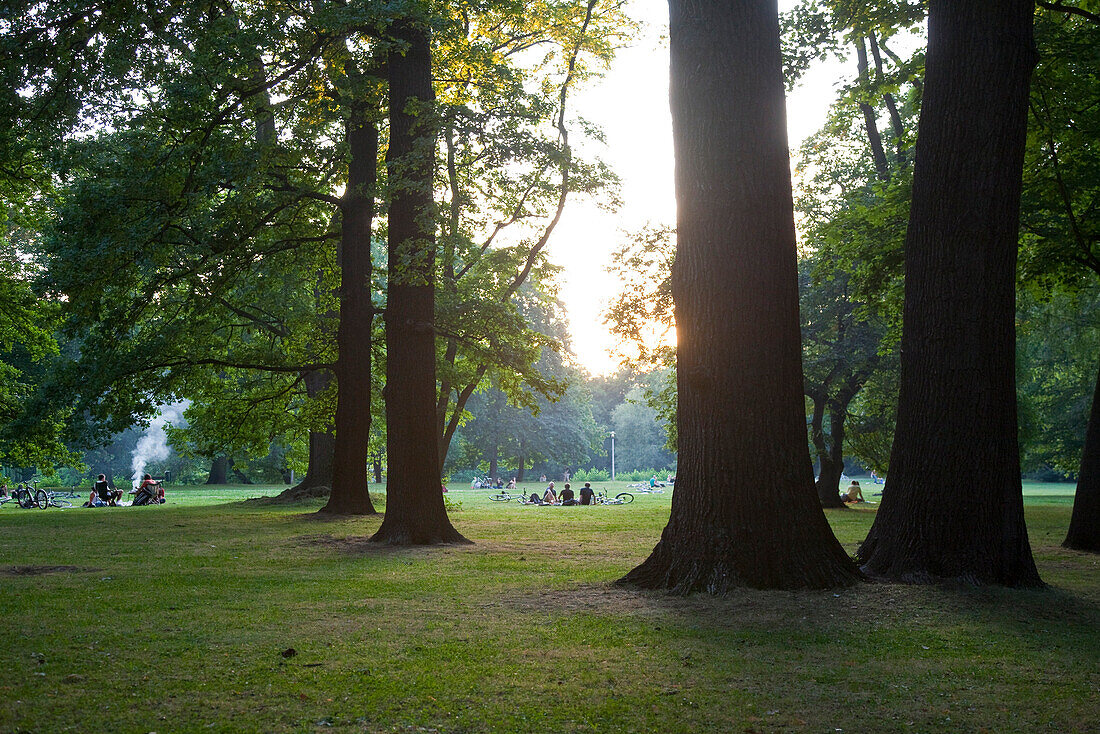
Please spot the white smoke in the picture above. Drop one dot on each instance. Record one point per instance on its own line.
(153, 444)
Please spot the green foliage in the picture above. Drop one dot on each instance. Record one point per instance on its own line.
(591, 475)
(30, 434)
(1057, 347)
(640, 436)
(1060, 216)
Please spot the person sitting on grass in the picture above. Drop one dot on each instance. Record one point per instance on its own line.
(853, 494)
(587, 494)
(550, 497)
(567, 497)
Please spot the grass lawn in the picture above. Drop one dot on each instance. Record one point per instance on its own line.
(212, 614)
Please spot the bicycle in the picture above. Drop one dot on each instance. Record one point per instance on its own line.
(622, 498)
(506, 496)
(46, 499)
(23, 495)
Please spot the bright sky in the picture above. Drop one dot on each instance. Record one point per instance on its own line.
(631, 105)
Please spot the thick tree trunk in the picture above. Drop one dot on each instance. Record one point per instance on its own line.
(219, 471)
(415, 513)
(377, 470)
(957, 402)
(1084, 525)
(521, 461)
(350, 495)
(745, 513)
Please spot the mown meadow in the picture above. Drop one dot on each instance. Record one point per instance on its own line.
(211, 613)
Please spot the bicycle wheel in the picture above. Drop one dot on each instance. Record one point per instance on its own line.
(24, 498)
(624, 498)
(500, 497)
(41, 499)
(63, 504)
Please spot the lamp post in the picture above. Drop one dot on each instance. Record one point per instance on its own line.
(612, 456)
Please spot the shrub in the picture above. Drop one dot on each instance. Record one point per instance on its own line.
(592, 475)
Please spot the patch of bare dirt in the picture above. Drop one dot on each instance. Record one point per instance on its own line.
(361, 545)
(40, 570)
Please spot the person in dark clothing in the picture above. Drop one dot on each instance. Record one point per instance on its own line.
(567, 496)
(587, 494)
(105, 492)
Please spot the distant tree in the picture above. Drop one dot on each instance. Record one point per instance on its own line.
(518, 430)
(639, 434)
(1060, 218)
(957, 403)
(734, 283)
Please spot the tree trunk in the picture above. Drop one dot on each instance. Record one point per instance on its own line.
(494, 463)
(319, 470)
(238, 475)
(745, 513)
(1084, 525)
(415, 513)
(891, 104)
(350, 495)
(957, 401)
(219, 471)
(870, 119)
(828, 478)
(377, 470)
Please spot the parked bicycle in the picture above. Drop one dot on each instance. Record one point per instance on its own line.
(644, 488)
(21, 496)
(45, 499)
(508, 495)
(622, 498)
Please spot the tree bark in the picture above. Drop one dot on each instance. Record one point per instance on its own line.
(745, 513)
(1084, 524)
(957, 401)
(415, 513)
(219, 471)
(319, 470)
(377, 470)
(494, 466)
(870, 119)
(891, 105)
(828, 477)
(350, 495)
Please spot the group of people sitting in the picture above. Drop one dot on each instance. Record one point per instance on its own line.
(566, 498)
(488, 483)
(105, 494)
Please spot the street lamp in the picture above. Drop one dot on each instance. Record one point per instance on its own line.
(612, 456)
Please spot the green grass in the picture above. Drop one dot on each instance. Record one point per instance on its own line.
(177, 618)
